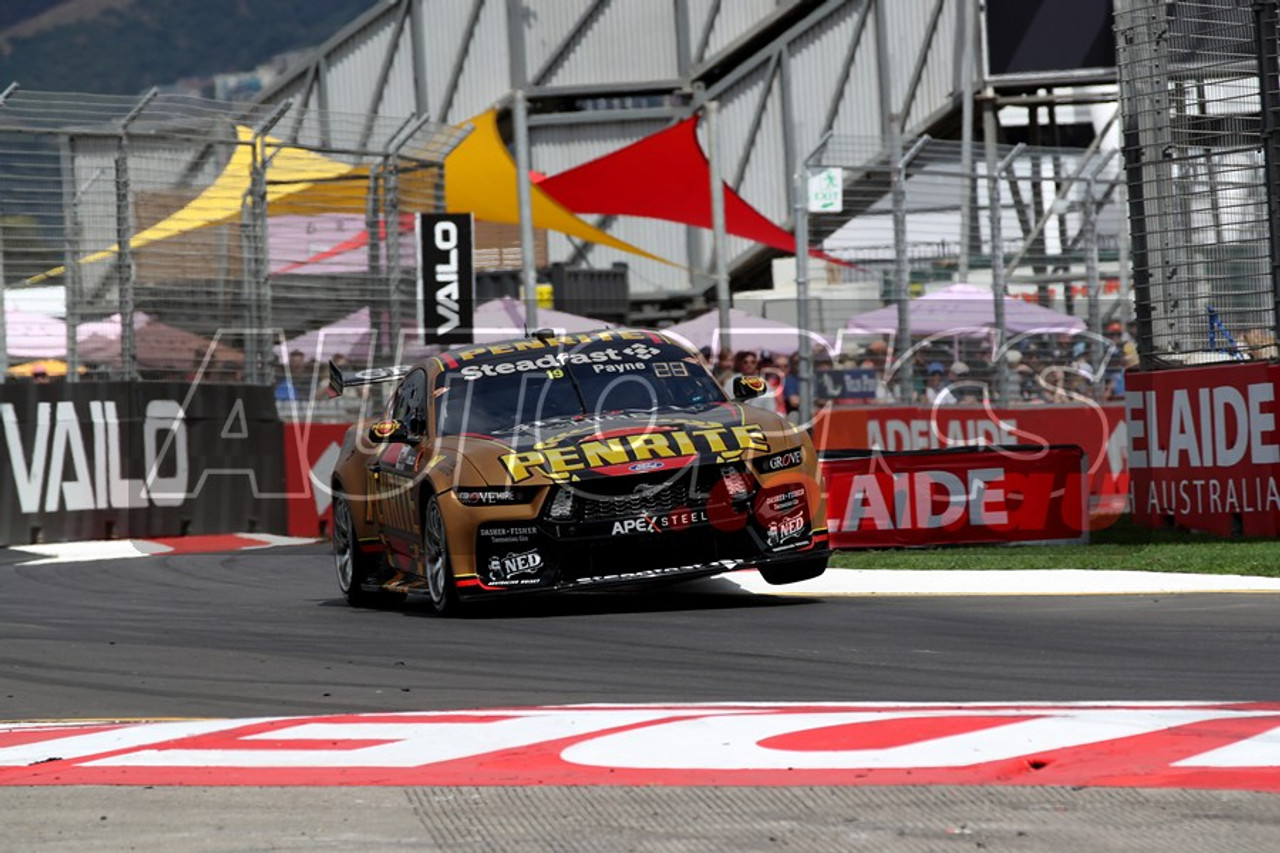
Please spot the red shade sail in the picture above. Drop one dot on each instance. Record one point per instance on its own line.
(664, 176)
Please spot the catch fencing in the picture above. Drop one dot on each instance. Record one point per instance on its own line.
(1201, 159)
(195, 238)
(1038, 224)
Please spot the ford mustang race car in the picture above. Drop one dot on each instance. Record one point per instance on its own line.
(555, 463)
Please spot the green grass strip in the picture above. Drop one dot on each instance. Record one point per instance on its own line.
(1123, 546)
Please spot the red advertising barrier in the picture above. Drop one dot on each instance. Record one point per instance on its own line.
(1205, 448)
(310, 452)
(1013, 493)
(1099, 429)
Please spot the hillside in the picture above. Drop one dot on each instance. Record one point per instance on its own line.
(128, 46)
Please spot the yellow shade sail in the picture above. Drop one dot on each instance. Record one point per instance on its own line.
(480, 178)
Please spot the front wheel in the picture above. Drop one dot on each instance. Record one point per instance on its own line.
(354, 569)
(440, 583)
(794, 571)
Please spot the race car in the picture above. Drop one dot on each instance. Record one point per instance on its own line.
(567, 462)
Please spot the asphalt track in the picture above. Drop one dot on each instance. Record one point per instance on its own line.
(263, 633)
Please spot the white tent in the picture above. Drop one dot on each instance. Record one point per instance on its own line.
(746, 332)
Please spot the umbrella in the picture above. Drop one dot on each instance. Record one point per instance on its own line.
(964, 310)
(159, 346)
(352, 336)
(746, 332)
(47, 366)
(503, 318)
(31, 335)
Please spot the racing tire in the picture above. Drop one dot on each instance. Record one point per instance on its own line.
(794, 571)
(441, 587)
(354, 568)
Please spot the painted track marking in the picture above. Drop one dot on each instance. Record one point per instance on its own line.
(1176, 745)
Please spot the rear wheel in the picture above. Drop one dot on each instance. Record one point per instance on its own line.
(435, 541)
(793, 571)
(354, 568)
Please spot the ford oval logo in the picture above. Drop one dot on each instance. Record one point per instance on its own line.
(645, 466)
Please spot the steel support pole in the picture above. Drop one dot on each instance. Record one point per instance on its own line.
(126, 271)
(1092, 275)
(255, 261)
(995, 174)
(4, 317)
(804, 354)
(901, 266)
(966, 138)
(4, 321)
(901, 258)
(71, 254)
(723, 295)
(1266, 23)
(524, 198)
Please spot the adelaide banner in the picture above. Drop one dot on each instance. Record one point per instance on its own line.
(1204, 449)
(1099, 429)
(1011, 493)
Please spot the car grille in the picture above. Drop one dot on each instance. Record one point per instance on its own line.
(643, 494)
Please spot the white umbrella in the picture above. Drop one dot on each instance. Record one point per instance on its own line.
(30, 335)
(503, 318)
(746, 332)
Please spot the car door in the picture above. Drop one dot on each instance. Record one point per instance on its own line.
(393, 471)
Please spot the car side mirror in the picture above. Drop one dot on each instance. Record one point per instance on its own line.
(385, 432)
(748, 387)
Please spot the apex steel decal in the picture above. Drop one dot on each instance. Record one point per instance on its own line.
(1147, 744)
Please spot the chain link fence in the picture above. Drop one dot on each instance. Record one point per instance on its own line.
(1199, 129)
(942, 230)
(203, 238)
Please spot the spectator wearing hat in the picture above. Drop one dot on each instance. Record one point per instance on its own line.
(936, 392)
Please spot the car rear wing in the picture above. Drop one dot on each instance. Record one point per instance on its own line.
(340, 381)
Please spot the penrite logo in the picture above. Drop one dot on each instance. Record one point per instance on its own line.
(77, 469)
(445, 276)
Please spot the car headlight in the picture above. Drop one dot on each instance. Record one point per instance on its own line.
(562, 505)
(495, 496)
(735, 482)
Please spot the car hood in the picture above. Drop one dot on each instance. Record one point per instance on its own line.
(618, 444)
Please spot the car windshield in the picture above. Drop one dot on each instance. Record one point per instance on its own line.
(492, 396)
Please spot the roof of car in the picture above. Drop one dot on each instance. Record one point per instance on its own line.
(535, 342)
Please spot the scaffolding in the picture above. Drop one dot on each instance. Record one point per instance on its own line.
(187, 236)
(1200, 160)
